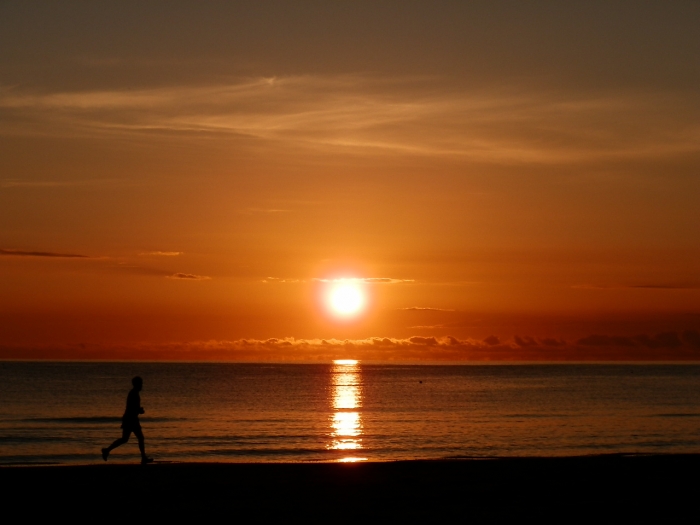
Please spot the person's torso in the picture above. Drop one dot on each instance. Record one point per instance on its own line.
(133, 405)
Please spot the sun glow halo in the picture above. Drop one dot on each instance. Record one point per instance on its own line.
(346, 298)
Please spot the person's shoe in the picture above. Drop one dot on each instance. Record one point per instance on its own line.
(145, 460)
(105, 454)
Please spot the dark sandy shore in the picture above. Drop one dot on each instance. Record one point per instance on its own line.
(598, 489)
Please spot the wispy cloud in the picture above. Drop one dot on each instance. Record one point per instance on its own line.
(127, 267)
(678, 286)
(644, 286)
(117, 265)
(365, 280)
(17, 183)
(161, 254)
(374, 115)
(356, 280)
(426, 309)
(464, 323)
(188, 277)
(23, 253)
(250, 211)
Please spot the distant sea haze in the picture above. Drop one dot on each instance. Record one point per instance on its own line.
(63, 413)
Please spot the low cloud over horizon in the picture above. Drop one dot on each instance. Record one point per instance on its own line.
(666, 346)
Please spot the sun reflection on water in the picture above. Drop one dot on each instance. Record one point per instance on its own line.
(346, 420)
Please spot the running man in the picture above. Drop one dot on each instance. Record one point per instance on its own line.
(130, 422)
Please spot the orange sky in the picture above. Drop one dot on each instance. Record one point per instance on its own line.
(513, 182)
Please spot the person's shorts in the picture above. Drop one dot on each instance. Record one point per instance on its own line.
(131, 425)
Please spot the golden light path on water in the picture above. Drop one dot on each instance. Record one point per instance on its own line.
(346, 420)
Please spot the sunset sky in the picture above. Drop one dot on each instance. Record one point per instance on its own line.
(499, 180)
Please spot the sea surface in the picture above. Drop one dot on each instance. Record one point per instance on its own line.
(64, 413)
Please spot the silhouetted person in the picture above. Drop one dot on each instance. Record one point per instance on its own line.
(131, 423)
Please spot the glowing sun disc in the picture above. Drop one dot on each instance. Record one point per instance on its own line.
(346, 299)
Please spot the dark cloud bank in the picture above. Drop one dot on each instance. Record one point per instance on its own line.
(666, 346)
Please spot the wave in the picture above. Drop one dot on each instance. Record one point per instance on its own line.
(677, 415)
(267, 451)
(97, 420)
(535, 416)
(24, 440)
(239, 438)
(46, 459)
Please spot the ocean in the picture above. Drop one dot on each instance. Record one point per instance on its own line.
(65, 412)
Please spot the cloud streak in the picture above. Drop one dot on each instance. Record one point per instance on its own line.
(112, 264)
(188, 277)
(365, 280)
(58, 255)
(376, 115)
(38, 184)
(425, 309)
(645, 286)
(355, 280)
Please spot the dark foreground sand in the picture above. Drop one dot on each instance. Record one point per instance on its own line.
(600, 489)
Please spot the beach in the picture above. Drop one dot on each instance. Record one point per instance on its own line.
(604, 488)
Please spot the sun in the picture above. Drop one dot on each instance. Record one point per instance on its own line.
(346, 298)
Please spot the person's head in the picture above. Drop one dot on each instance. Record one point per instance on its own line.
(137, 382)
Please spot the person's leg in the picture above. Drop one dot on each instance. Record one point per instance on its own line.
(117, 442)
(142, 446)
